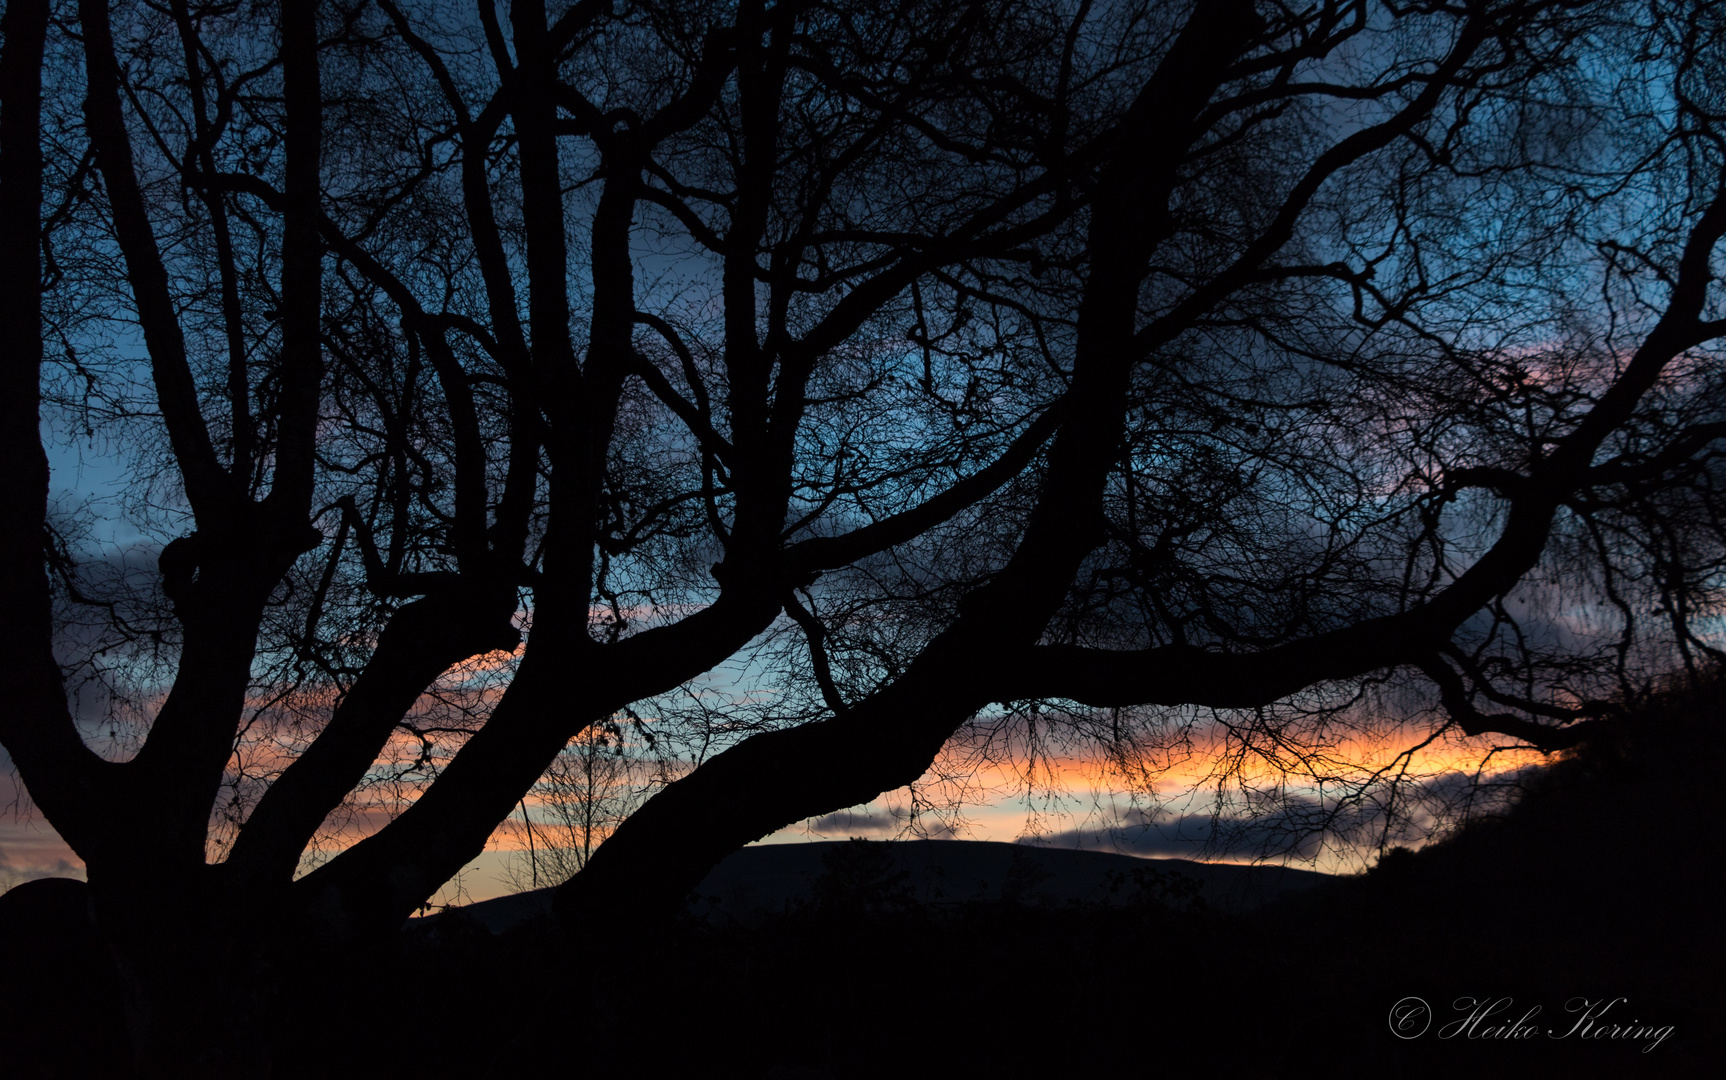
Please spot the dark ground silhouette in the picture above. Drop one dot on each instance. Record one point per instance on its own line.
(1597, 886)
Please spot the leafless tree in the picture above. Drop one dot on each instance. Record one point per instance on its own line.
(489, 374)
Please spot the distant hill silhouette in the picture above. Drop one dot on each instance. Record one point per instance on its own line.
(757, 883)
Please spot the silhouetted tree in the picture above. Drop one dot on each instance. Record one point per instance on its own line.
(492, 372)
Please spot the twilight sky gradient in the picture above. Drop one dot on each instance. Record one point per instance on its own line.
(1069, 804)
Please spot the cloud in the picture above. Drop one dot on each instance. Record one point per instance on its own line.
(13, 876)
(853, 822)
(864, 823)
(29, 846)
(1301, 826)
(1291, 830)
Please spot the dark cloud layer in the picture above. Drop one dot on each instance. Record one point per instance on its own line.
(858, 823)
(1192, 836)
(1301, 825)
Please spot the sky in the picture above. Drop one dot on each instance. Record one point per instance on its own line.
(29, 846)
(1065, 801)
(1069, 802)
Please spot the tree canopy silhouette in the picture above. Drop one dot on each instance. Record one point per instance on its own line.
(485, 372)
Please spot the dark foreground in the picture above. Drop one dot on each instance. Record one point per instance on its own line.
(1594, 904)
(1578, 936)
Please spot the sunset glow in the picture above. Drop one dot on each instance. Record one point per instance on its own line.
(1058, 799)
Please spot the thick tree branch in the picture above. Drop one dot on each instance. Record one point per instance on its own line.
(64, 777)
(208, 488)
(830, 552)
(422, 640)
(302, 267)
